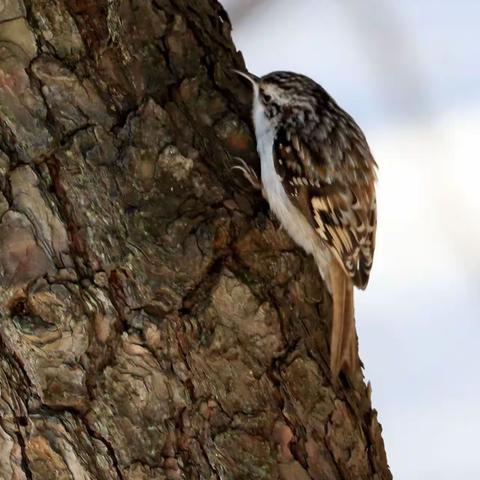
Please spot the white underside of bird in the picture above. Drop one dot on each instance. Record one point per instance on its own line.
(294, 222)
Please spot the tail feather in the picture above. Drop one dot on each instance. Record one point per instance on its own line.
(343, 343)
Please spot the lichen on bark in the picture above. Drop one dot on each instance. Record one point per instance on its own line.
(155, 322)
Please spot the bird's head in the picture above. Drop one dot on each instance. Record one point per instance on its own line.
(282, 94)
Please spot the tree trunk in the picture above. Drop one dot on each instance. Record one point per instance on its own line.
(155, 322)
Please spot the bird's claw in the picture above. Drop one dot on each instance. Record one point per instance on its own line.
(248, 172)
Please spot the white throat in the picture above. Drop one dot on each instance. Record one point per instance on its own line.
(292, 219)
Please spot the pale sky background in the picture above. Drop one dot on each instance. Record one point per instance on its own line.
(409, 73)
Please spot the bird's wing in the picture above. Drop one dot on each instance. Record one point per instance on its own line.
(331, 179)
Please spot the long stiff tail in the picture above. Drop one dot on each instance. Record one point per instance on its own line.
(343, 343)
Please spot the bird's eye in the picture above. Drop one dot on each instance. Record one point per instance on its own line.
(267, 98)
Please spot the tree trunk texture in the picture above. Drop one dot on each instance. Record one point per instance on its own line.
(155, 322)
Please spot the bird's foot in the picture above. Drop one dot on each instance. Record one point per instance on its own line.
(248, 172)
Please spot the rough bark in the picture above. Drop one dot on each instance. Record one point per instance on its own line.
(155, 322)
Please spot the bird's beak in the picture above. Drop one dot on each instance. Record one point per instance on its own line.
(253, 79)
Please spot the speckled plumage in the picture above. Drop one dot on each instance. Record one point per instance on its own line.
(318, 176)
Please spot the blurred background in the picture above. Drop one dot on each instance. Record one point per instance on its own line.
(409, 73)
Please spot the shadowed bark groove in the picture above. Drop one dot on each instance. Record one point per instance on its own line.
(155, 323)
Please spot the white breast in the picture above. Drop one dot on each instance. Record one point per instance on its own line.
(294, 222)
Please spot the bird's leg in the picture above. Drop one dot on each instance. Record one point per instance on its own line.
(249, 173)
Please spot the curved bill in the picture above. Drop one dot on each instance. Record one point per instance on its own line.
(249, 76)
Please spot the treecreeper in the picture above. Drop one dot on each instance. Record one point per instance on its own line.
(318, 176)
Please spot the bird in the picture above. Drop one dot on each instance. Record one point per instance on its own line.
(318, 175)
